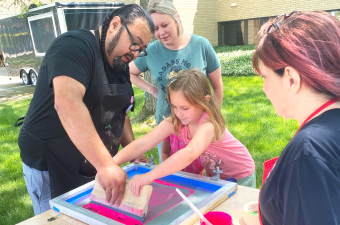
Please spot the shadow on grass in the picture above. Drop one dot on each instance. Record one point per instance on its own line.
(9, 115)
(9, 133)
(15, 205)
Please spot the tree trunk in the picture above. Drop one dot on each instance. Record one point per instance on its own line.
(150, 101)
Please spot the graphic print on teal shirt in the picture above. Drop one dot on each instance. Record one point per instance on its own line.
(161, 61)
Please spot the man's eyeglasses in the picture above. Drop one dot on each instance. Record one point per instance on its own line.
(275, 24)
(135, 47)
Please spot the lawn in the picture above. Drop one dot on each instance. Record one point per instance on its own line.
(249, 116)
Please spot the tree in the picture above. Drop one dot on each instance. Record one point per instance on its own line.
(336, 14)
(150, 101)
(18, 6)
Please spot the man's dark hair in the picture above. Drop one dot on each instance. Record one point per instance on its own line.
(127, 14)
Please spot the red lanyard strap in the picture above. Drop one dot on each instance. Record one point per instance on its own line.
(328, 103)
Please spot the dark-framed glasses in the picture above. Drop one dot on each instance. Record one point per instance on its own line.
(135, 47)
(276, 22)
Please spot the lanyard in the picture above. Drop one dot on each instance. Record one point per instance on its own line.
(328, 103)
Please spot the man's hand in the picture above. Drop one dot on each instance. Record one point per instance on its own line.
(112, 178)
(141, 158)
(138, 181)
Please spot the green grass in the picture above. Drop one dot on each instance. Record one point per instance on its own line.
(15, 203)
(249, 115)
(251, 118)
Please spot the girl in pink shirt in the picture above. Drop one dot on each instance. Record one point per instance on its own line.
(196, 117)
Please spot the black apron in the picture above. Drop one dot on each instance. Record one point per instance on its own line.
(68, 168)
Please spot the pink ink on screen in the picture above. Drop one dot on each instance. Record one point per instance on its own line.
(163, 197)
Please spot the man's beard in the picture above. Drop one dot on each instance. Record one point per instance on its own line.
(118, 65)
(117, 62)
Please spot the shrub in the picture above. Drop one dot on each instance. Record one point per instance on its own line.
(236, 60)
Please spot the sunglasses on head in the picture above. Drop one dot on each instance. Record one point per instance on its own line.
(275, 25)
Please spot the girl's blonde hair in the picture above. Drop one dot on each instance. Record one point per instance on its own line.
(166, 7)
(195, 87)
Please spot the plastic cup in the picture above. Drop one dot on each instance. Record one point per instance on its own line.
(251, 215)
(218, 218)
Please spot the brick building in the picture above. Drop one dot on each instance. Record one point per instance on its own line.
(234, 22)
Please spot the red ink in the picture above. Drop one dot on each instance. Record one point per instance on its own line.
(109, 213)
(163, 197)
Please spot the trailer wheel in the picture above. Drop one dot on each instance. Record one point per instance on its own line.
(25, 77)
(34, 78)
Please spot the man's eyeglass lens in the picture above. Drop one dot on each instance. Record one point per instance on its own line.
(135, 47)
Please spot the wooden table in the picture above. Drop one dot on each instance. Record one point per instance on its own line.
(233, 206)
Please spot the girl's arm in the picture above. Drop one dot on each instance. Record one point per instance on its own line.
(178, 161)
(166, 150)
(140, 82)
(145, 143)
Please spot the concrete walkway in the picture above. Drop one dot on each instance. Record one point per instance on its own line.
(12, 88)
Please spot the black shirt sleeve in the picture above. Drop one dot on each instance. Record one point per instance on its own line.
(71, 55)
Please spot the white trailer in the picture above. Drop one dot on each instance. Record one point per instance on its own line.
(24, 39)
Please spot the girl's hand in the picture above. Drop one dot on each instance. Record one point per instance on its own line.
(138, 181)
(202, 172)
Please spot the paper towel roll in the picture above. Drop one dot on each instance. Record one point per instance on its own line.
(251, 215)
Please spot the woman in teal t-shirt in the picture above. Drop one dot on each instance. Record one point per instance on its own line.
(172, 52)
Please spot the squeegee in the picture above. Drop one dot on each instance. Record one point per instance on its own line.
(131, 211)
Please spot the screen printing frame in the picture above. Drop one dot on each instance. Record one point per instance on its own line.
(61, 205)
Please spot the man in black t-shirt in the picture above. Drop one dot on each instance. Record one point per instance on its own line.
(75, 121)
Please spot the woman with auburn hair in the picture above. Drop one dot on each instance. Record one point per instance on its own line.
(298, 55)
(174, 51)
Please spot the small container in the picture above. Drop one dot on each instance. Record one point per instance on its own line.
(251, 215)
(218, 218)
